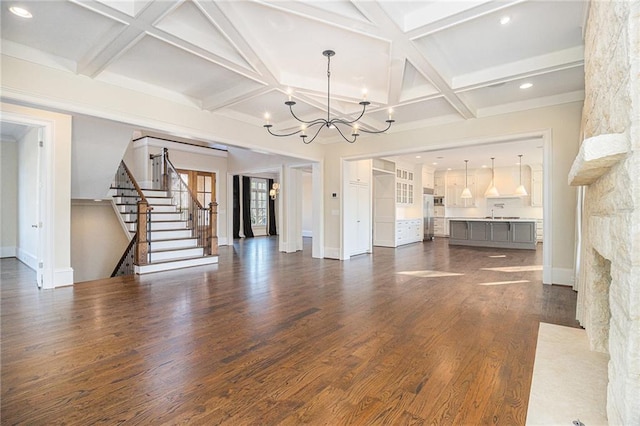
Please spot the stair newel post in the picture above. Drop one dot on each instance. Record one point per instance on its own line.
(142, 246)
(213, 228)
(166, 182)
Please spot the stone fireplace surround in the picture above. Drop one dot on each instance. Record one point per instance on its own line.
(608, 167)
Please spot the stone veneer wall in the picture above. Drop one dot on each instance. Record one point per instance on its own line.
(609, 281)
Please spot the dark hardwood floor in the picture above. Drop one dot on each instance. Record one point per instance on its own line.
(272, 338)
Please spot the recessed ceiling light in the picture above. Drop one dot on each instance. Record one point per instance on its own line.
(20, 11)
(435, 164)
(526, 85)
(505, 20)
(484, 166)
(448, 168)
(418, 156)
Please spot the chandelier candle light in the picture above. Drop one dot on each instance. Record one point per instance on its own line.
(520, 190)
(332, 123)
(492, 191)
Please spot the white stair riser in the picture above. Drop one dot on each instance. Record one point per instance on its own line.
(165, 235)
(153, 201)
(154, 193)
(131, 217)
(173, 244)
(146, 269)
(163, 208)
(157, 226)
(175, 254)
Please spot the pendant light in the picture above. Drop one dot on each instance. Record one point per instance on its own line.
(466, 193)
(492, 191)
(520, 190)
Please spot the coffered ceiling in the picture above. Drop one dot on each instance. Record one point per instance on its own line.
(431, 61)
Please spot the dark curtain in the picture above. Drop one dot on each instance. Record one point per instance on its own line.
(236, 206)
(246, 207)
(271, 214)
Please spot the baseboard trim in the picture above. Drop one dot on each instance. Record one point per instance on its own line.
(562, 276)
(63, 277)
(332, 253)
(27, 258)
(8, 251)
(307, 233)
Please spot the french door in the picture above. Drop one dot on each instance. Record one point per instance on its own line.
(202, 184)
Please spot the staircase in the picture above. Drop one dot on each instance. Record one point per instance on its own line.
(176, 234)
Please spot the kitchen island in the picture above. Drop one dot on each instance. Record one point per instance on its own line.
(512, 233)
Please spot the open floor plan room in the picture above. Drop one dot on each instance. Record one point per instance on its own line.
(425, 333)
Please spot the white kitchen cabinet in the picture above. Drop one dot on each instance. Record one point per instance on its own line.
(404, 186)
(427, 178)
(439, 227)
(439, 184)
(539, 230)
(408, 231)
(455, 186)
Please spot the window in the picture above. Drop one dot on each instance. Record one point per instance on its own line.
(259, 194)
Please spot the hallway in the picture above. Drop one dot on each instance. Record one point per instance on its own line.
(421, 333)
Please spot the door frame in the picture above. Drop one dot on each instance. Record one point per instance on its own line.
(45, 271)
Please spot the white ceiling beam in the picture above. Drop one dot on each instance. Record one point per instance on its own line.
(309, 11)
(403, 44)
(465, 15)
(562, 59)
(223, 16)
(229, 98)
(133, 32)
(433, 12)
(541, 102)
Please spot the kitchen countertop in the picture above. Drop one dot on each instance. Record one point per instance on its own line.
(496, 219)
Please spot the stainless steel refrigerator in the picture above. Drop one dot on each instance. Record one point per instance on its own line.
(427, 208)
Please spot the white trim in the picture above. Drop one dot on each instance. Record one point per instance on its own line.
(563, 276)
(317, 215)
(8, 251)
(29, 259)
(547, 207)
(307, 233)
(179, 146)
(62, 277)
(332, 253)
(46, 210)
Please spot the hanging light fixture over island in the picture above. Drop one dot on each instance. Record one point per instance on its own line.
(520, 190)
(492, 191)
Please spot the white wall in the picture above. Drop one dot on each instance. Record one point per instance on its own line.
(27, 250)
(8, 198)
(97, 239)
(96, 151)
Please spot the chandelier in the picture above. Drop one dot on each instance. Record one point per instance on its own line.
(331, 123)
